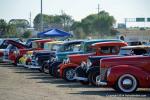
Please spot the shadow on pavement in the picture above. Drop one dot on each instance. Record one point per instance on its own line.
(111, 93)
(75, 85)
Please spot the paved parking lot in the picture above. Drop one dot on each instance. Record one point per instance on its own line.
(17, 83)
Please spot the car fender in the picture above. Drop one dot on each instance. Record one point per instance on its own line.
(65, 66)
(116, 71)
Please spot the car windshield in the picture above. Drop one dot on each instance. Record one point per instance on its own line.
(52, 47)
(87, 47)
(133, 51)
(35, 45)
(11, 48)
(70, 47)
(55, 47)
(125, 51)
(1, 41)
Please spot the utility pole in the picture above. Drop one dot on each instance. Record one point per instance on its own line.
(41, 16)
(30, 19)
(98, 10)
(64, 19)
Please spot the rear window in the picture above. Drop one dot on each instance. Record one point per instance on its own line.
(109, 50)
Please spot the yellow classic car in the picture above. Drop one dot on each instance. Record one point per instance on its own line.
(49, 46)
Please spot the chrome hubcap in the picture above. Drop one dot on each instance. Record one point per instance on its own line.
(46, 69)
(70, 74)
(127, 82)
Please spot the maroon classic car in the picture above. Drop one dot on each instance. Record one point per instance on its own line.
(125, 74)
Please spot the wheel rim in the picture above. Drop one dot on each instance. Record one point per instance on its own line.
(94, 79)
(45, 68)
(70, 74)
(127, 83)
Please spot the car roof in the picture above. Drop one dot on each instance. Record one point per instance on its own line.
(103, 40)
(43, 40)
(137, 47)
(55, 42)
(74, 41)
(109, 44)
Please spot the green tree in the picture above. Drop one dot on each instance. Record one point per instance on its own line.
(11, 31)
(103, 23)
(63, 21)
(37, 21)
(79, 33)
(3, 27)
(96, 24)
(19, 23)
(87, 23)
(27, 34)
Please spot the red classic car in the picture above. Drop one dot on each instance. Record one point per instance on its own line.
(19, 52)
(13, 45)
(102, 48)
(125, 74)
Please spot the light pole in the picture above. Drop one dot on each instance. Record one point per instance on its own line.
(41, 22)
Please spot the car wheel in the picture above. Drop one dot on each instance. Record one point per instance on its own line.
(45, 68)
(127, 83)
(69, 74)
(92, 78)
(16, 61)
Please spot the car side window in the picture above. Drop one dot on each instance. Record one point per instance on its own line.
(139, 51)
(13, 48)
(109, 50)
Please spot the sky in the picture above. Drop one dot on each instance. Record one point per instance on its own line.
(78, 9)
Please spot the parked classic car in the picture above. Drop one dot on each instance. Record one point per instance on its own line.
(5, 42)
(125, 74)
(37, 45)
(86, 73)
(27, 58)
(13, 46)
(67, 70)
(69, 47)
(18, 53)
(39, 57)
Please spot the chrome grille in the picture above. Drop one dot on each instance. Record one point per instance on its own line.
(103, 73)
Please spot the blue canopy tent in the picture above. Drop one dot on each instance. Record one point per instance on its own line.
(54, 33)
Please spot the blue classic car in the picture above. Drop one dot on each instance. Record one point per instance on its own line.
(69, 47)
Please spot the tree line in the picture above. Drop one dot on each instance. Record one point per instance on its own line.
(100, 24)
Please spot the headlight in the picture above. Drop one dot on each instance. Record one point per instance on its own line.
(53, 59)
(25, 55)
(16, 52)
(108, 72)
(47, 61)
(66, 61)
(83, 64)
(36, 58)
(89, 63)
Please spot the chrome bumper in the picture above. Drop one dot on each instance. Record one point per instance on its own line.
(7, 60)
(21, 65)
(32, 66)
(80, 78)
(99, 82)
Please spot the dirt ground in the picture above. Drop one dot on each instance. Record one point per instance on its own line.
(18, 83)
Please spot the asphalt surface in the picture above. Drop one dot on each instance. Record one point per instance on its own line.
(18, 83)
